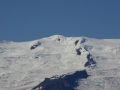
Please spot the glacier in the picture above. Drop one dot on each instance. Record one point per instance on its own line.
(24, 65)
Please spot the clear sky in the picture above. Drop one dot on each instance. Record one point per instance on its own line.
(26, 20)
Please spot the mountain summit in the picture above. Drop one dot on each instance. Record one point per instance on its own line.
(23, 65)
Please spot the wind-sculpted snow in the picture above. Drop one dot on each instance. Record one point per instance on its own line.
(22, 68)
(87, 47)
(104, 79)
(2, 50)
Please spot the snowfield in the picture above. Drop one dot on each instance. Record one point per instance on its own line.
(23, 65)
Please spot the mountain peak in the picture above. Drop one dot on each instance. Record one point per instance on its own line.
(23, 64)
(57, 37)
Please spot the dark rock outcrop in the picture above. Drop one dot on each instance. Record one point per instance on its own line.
(90, 61)
(58, 39)
(87, 47)
(78, 51)
(83, 40)
(76, 42)
(64, 82)
(35, 45)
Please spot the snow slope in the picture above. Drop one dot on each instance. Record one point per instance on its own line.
(23, 65)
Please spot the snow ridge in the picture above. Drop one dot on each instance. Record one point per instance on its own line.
(23, 68)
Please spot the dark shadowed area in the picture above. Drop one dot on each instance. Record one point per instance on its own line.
(64, 82)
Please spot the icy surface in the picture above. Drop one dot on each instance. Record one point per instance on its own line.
(22, 68)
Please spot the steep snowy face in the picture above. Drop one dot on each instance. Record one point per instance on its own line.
(106, 75)
(24, 65)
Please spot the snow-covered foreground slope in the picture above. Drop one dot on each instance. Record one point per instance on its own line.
(23, 65)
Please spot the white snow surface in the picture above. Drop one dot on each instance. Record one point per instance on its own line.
(22, 68)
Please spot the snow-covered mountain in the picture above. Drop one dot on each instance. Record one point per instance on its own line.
(24, 65)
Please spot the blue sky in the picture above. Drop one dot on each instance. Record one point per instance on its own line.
(25, 20)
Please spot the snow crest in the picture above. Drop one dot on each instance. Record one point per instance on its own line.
(23, 68)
